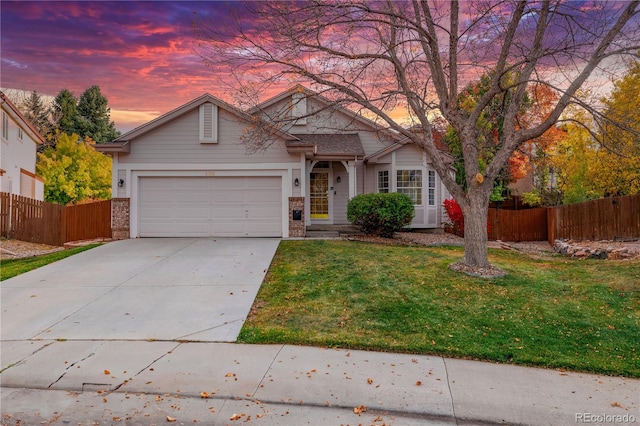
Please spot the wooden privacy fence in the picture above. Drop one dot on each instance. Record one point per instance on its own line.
(518, 225)
(612, 218)
(35, 221)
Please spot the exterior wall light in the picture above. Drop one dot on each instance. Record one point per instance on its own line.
(121, 183)
(296, 182)
(338, 179)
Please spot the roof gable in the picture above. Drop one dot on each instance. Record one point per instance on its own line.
(17, 116)
(186, 108)
(327, 103)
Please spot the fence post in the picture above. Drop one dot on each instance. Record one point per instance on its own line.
(63, 226)
(551, 225)
(10, 225)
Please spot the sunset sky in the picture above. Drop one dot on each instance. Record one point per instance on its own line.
(141, 54)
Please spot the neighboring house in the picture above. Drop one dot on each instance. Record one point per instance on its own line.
(18, 153)
(191, 172)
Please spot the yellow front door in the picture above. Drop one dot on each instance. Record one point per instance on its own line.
(319, 195)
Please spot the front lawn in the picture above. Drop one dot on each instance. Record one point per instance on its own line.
(12, 267)
(576, 314)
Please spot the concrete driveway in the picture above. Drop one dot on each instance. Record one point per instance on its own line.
(194, 289)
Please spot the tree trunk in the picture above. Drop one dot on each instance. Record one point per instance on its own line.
(475, 232)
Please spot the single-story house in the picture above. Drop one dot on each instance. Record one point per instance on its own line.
(20, 140)
(209, 169)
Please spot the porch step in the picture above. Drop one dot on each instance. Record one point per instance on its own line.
(322, 234)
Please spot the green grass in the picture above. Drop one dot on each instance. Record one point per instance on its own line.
(581, 315)
(11, 268)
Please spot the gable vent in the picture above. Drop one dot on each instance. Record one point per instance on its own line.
(299, 108)
(208, 123)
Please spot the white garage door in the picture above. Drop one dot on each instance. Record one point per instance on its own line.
(210, 206)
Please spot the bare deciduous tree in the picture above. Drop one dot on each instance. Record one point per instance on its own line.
(376, 57)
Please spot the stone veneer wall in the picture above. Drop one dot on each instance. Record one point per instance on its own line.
(297, 228)
(120, 218)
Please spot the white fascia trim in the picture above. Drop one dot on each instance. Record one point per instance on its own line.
(208, 166)
(209, 173)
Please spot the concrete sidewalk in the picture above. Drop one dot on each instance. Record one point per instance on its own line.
(140, 382)
(130, 334)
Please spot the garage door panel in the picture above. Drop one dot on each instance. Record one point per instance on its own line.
(186, 213)
(210, 206)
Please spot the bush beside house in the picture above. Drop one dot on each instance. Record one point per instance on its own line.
(381, 213)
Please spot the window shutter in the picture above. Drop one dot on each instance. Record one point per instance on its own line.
(299, 108)
(208, 123)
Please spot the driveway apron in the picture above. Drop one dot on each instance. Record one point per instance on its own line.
(193, 289)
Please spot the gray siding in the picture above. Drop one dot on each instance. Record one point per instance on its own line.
(341, 193)
(178, 142)
(409, 156)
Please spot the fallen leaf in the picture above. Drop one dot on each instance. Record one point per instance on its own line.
(418, 383)
(229, 375)
(359, 410)
(171, 419)
(235, 417)
(204, 395)
(370, 380)
(616, 404)
(259, 415)
(107, 372)
(104, 400)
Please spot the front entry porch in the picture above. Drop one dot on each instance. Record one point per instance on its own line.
(331, 184)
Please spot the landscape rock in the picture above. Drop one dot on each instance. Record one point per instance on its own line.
(612, 250)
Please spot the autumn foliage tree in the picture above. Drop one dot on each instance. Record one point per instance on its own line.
(74, 171)
(618, 159)
(378, 57)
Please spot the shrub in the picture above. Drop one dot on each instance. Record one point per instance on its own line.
(455, 216)
(380, 214)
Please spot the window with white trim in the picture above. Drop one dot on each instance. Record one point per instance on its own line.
(410, 182)
(5, 125)
(383, 181)
(432, 187)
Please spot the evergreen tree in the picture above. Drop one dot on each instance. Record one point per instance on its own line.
(94, 116)
(38, 114)
(65, 107)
